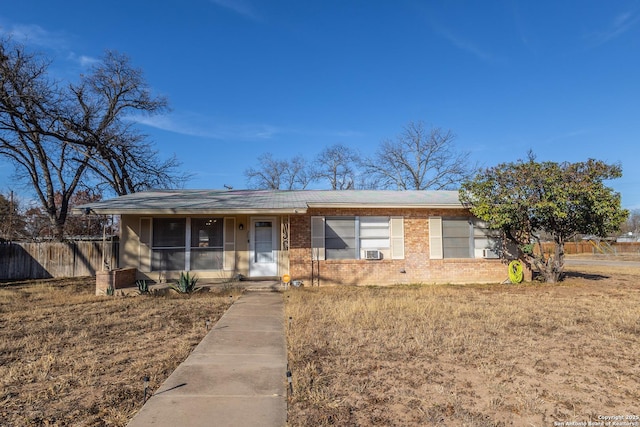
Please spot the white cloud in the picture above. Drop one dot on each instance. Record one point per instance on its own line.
(35, 35)
(241, 7)
(83, 60)
(620, 24)
(200, 126)
(465, 45)
(567, 135)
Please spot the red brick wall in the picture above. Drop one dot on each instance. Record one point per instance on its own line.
(416, 267)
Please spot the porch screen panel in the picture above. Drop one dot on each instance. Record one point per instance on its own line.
(397, 238)
(229, 243)
(206, 243)
(435, 237)
(169, 237)
(317, 238)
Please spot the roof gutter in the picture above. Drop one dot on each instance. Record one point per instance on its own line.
(383, 206)
(185, 211)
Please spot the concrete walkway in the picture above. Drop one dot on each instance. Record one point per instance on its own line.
(235, 377)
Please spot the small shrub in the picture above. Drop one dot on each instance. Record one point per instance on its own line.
(186, 284)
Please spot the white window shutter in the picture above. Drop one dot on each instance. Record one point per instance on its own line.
(435, 237)
(397, 238)
(317, 237)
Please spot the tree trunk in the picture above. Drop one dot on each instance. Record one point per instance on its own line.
(552, 268)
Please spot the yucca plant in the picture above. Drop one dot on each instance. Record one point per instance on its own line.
(143, 287)
(186, 284)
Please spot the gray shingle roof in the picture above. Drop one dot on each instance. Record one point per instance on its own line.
(265, 201)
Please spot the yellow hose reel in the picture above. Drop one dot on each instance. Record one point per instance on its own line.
(515, 271)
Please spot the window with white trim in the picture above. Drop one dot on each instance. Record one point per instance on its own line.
(461, 238)
(350, 237)
(340, 238)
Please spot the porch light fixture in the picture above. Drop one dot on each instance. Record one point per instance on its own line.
(241, 227)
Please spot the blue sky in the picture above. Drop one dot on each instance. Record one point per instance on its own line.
(246, 77)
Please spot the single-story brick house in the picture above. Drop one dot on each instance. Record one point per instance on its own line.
(317, 236)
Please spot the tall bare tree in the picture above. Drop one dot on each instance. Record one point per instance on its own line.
(632, 224)
(279, 174)
(125, 160)
(337, 164)
(418, 159)
(59, 136)
(85, 225)
(12, 222)
(29, 130)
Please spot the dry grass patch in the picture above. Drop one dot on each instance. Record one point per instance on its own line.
(68, 357)
(466, 355)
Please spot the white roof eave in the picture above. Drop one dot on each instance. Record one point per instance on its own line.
(186, 211)
(383, 206)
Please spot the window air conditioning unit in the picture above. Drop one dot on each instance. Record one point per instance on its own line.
(372, 254)
(488, 253)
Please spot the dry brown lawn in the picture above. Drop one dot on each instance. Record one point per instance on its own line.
(69, 358)
(483, 355)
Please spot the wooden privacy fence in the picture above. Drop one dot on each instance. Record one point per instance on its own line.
(45, 260)
(585, 247)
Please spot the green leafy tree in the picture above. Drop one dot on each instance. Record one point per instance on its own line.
(525, 198)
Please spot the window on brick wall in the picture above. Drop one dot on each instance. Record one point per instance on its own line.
(340, 238)
(349, 237)
(462, 238)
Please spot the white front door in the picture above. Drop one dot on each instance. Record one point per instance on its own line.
(263, 247)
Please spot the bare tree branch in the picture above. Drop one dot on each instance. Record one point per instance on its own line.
(337, 164)
(419, 159)
(273, 174)
(58, 136)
